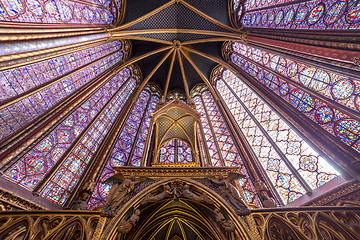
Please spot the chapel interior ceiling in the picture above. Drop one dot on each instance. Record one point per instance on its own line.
(175, 220)
(192, 23)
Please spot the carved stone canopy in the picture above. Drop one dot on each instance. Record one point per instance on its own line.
(175, 120)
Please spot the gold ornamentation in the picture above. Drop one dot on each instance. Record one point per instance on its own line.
(48, 225)
(118, 192)
(308, 223)
(191, 164)
(161, 172)
(336, 195)
(18, 201)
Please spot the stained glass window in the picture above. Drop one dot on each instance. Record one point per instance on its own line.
(56, 87)
(331, 15)
(28, 169)
(175, 151)
(60, 186)
(9, 48)
(22, 79)
(255, 4)
(341, 89)
(54, 11)
(285, 156)
(167, 152)
(130, 144)
(219, 142)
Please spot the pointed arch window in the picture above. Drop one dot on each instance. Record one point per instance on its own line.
(61, 184)
(255, 4)
(291, 164)
(329, 14)
(48, 82)
(60, 12)
(218, 142)
(23, 79)
(30, 167)
(175, 151)
(130, 144)
(283, 76)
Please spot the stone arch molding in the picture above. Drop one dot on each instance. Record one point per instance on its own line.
(200, 192)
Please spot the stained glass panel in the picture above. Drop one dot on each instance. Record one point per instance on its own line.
(121, 154)
(140, 144)
(255, 4)
(59, 188)
(17, 115)
(31, 168)
(209, 138)
(22, 79)
(184, 153)
(335, 87)
(307, 162)
(217, 137)
(54, 11)
(8, 48)
(167, 152)
(330, 15)
(175, 151)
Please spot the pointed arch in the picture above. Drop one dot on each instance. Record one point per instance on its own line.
(219, 142)
(129, 147)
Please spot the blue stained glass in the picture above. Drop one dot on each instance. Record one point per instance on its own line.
(217, 134)
(333, 86)
(184, 152)
(279, 17)
(50, 149)
(335, 12)
(119, 156)
(315, 14)
(74, 166)
(22, 47)
(302, 101)
(51, 11)
(140, 144)
(36, 104)
(294, 148)
(289, 16)
(324, 115)
(348, 130)
(167, 152)
(353, 15)
(343, 89)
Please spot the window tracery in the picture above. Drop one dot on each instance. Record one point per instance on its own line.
(219, 143)
(340, 89)
(130, 144)
(291, 164)
(57, 86)
(175, 151)
(28, 170)
(331, 15)
(64, 11)
(60, 186)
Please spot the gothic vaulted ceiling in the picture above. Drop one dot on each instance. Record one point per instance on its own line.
(177, 27)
